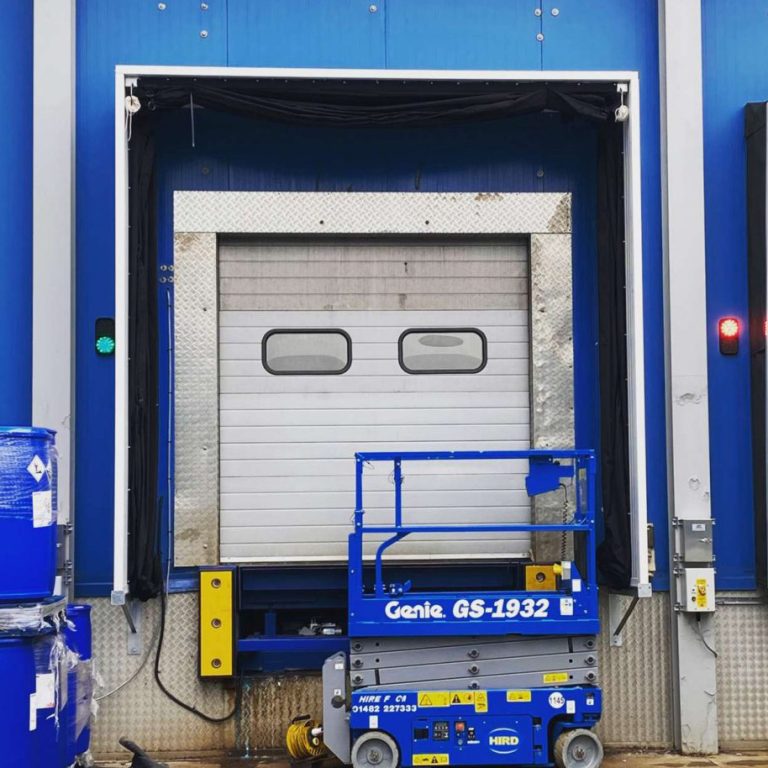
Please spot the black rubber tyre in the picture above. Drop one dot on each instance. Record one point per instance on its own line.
(578, 748)
(375, 750)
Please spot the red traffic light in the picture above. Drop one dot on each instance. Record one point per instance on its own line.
(729, 329)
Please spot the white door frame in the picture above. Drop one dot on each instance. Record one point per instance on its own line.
(126, 75)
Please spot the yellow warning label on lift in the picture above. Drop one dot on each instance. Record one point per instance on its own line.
(481, 701)
(439, 759)
(555, 677)
(433, 699)
(462, 697)
(518, 695)
(701, 593)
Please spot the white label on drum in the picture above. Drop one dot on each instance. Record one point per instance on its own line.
(42, 509)
(36, 468)
(32, 712)
(45, 690)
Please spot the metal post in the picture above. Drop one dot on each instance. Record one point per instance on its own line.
(398, 478)
(355, 552)
(358, 491)
(590, 514)
(694, 680)
(53, 239)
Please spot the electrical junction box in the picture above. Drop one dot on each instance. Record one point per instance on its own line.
(698, 590)
(697, 541)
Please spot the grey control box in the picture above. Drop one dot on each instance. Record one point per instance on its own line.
(697, 541)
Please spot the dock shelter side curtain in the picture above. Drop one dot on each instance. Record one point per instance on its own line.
(364, 104)
(755, 137)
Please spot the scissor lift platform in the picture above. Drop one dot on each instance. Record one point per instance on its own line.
(503, 677)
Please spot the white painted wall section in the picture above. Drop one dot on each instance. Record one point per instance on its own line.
(53, 231)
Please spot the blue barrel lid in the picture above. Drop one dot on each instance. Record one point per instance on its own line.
(27, 432)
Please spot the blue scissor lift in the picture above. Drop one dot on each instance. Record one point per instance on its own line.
(440, 677)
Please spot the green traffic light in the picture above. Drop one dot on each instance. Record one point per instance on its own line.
(105, 345)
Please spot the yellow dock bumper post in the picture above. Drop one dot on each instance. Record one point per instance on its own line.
(542, 577)
(217, 621)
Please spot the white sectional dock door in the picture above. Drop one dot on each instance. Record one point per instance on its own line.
(287, 441)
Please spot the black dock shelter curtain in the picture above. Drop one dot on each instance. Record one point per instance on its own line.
(144, 566)
(614, 555)
(755, 136)
(366, 104)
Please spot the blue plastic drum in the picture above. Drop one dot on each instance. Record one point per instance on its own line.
(28, 727)
(17, 670)
(28, 504)
(78, 638)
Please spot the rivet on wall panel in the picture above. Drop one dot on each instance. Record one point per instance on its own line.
(373, 8)
(161, 6)
(203, 6)
(539, 37)
(555, 11)
(537, 12)
(203, 33)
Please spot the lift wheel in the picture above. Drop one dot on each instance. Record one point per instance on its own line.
(578, 748)
(375, 750)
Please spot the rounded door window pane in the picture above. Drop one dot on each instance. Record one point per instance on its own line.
(444, 350)
(306, 352)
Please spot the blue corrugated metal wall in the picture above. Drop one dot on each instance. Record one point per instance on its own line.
(734, 37)
(16, 215)
(499, 34)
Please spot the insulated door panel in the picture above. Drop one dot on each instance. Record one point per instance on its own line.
(287, 442)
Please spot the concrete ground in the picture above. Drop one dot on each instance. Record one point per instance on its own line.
(612, 760)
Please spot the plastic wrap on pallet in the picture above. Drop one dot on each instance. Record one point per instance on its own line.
(32, 619)
(28, 467)
(85, 700)
(51, 664)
